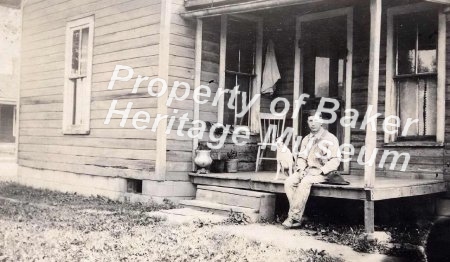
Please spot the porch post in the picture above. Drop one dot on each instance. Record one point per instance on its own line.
(222, 57)
(256, 108)
(372, 100)
(197, 78)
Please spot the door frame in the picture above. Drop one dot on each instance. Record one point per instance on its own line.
(298, 85)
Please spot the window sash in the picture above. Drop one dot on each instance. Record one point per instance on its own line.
(77, 97)
(239, 69)
(77, 93)
(79, 47)
(421, 51)
(244, 81)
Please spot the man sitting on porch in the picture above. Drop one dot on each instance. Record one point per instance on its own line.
(319, 155)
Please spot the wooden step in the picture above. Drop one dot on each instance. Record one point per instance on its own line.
(220, 209)
(236, 191)
(224, 199)
(234, 197)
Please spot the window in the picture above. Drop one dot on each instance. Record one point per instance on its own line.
(415, 49)
(134, 186)
(239, 69)
(77, 88)
(241, 40)
(7, 123)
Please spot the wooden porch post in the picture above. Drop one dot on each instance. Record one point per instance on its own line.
(371, 133)
(256, 108)
(222, 57)
(197, 78)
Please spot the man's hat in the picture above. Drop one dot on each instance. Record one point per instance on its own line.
(335, 178)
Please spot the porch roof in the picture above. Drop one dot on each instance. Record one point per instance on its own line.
(205, 8)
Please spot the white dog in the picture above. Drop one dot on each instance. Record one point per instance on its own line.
(285, 159)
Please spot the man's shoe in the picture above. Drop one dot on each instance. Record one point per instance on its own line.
(291, 223)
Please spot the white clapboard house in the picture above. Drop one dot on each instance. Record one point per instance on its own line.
(389, 54)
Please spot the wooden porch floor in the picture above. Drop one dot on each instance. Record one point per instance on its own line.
(385, 188)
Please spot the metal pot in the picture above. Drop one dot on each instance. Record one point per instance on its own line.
(232, 165)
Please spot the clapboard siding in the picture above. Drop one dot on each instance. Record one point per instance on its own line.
(102, 8)
(181, 68)
(126, 33)
(210, 66)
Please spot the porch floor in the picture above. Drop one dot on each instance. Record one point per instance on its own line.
(385, 187)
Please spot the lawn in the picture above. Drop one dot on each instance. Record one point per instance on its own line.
(41, 225)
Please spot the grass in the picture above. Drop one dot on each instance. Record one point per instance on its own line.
(407, 240)
(42, 225)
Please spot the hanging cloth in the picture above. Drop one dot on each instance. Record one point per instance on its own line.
(271, 73)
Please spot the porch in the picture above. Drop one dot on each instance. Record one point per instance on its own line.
(351, 61)
(384, 187)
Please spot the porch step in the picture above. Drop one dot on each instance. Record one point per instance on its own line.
(220, 209)
(225, 199)
(232, 196)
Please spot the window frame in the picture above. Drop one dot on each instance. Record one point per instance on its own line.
(257, 79)
(391, 72)
(68, 126)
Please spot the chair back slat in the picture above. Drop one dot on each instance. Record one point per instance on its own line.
(266, 120)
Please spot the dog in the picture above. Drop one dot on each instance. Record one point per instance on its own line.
(285, 159)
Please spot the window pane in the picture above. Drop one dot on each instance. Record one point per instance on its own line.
(75, 51)
(341, 76)
(84, 50)
(408, 101)
(417, 100)
(78, 97)
(244, 83)
(228, 113)
(322, 77)
(241, 39)
(406, 45)
(244, 97)
(7, 123)
(427, 43)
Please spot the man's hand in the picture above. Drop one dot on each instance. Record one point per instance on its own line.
(314, 171)
(300, 173)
